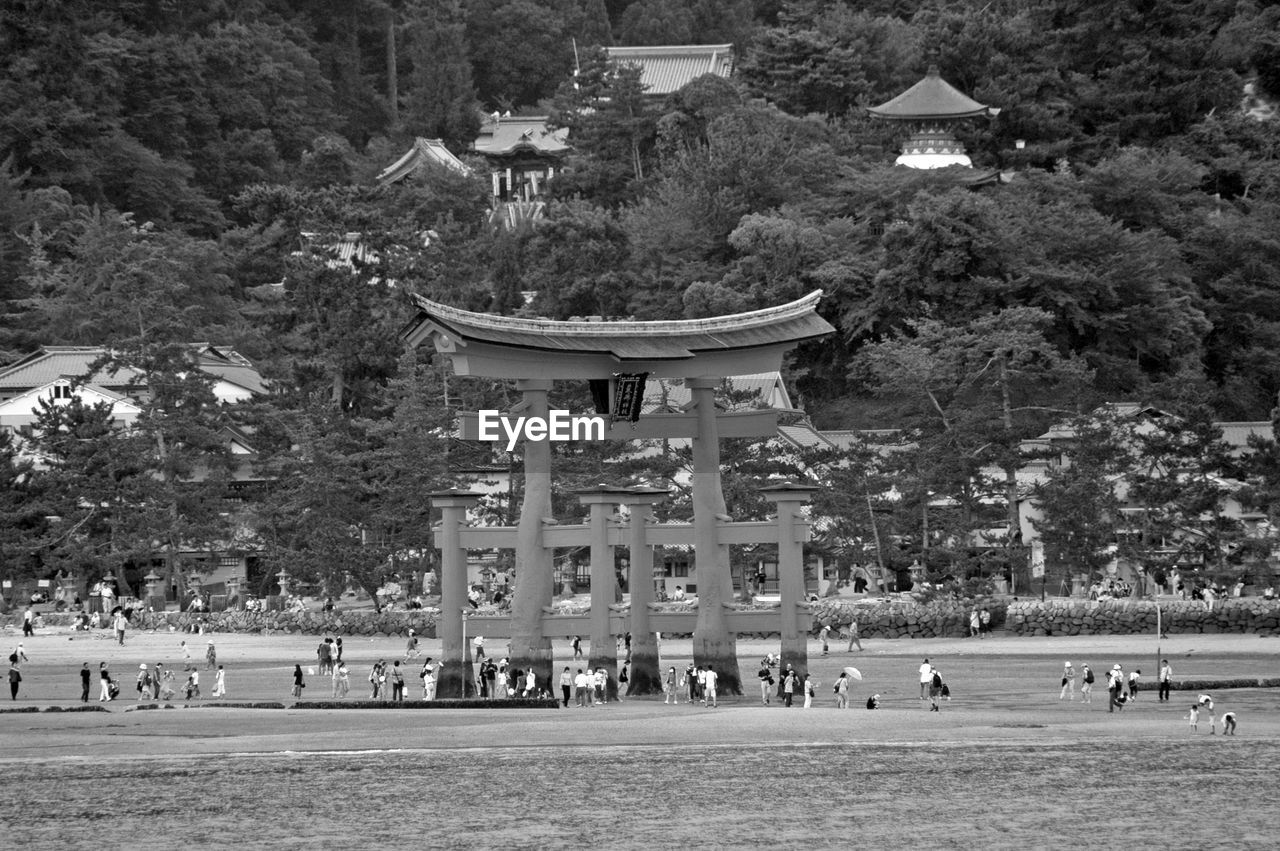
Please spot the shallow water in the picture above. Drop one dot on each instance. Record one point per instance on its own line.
(1196, 793)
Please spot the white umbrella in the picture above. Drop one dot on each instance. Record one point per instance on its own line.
(854, 673)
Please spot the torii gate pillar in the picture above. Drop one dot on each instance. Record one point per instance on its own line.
(646, 665)
(713, 643)
(454, 678)
(535, 579)
(793, 532)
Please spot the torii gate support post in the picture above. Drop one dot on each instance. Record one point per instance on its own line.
(455, 677)
(530, 649)
(713, 643)
(603, 652)
(646, 665)
(793, 532)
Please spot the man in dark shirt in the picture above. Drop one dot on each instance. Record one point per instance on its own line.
(84, 683)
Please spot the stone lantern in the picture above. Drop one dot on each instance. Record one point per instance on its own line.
(233, 592)
(153, 580)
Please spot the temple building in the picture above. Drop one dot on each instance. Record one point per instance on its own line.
(523, 154)
(931, 111)
(666, 69)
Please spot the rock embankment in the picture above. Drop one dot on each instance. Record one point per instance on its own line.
(1125, 617)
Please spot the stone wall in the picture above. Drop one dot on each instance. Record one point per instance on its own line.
(906, 618)
(421, 621)
(1124, 617)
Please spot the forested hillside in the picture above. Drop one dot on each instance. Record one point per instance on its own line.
(173, 171)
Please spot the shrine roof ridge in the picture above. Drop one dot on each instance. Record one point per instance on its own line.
(795, 320)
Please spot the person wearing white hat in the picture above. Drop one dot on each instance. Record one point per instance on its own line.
(144, 682)
(1115, 688)
(1068, 681)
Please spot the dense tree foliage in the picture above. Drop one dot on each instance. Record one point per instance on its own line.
(170, 174)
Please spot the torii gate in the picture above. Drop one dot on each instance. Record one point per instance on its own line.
(535, 352)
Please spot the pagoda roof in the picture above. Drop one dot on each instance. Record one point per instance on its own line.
(514, 347)
(423, 152)
(669, 68)
(931, 98)
(508, 135)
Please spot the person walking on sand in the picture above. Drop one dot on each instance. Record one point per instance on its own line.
(157, 675)
(397, 682)
(1166, 681)
(220, 683)
(974, 626)
(411, 646)
(193, 684)
(28, 623)
(428, 679)
(15, 679)
(86, 677)
(343, 677)
(104, 678)
(566, 686)
(789, 687)
(186, 657)
(144, 682)
(822, 636)
(299, 682)
(853, 637)
(21, 653)
(809, 685)
(935, 690)
(1086, 684)
(1115, 687)
(926, 676)
(1068, 682)
(670, 688)
(1133, 683)
(211, 655)
(766, 681)
(842, 691)
(121, 624)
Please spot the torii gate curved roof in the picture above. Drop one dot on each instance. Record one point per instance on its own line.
(493, 346)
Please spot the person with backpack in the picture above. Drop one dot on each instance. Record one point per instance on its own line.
(397, 681)
(1086, 684)
(810, 690)
(935, 690)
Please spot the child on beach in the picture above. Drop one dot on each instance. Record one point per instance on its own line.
(220, 683)
(1228, 723)
(1194, 716)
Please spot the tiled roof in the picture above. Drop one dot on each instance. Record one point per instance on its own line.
(633, 340)
(931, 98)
(504, 135)
(1238, 434)
(423, 152)
(804, 436)
(53, 362)
(666, 69)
